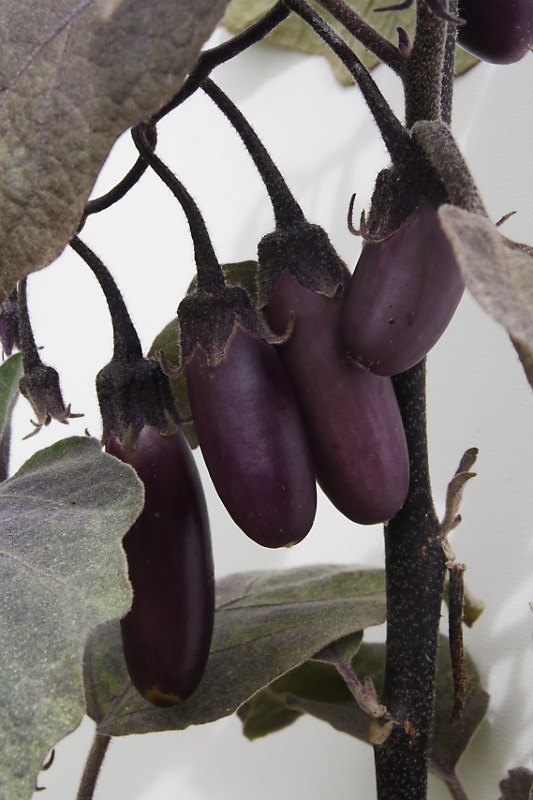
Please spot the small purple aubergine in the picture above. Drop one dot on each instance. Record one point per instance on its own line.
(402, 295)
(498, 31)
(166, 635)
(253, 439)
(352, 417)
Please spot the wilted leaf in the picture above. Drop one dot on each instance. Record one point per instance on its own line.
(294, 34)
(10, 374)
(74, 76)
(318, 689)
(499, 275)
(63, 571)
(518, 784)
(266, 623)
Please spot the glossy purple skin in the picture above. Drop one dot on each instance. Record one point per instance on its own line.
(166, 635)
(253, 440)
(498, 31)
(401, 297)
(352, 417)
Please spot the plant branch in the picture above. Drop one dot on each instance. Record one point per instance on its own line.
(365, 33)
(93, 766)
(415, 571)
(286, 209)
(393, 133)
(209, 59)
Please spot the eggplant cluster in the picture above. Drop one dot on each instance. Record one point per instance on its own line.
(402, 295)
(278, 406)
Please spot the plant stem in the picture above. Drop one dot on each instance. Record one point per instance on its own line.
(209, 59)
(393, 133)
(365, 33)
(448, 74)
(423, 76)
(286, 210)
(210, 275)
(127, 346)
(93, 766)
(415, 571)
(30, 354)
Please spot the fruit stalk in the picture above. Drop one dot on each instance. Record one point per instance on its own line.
(93, 766)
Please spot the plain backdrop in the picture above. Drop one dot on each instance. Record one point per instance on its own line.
(327, 146)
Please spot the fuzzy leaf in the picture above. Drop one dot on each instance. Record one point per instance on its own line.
(294, 34)
(62, 572)
(10, 374)
(318, 689)
(498, 273)
(518, 785)
(266, 623)
(74, 76)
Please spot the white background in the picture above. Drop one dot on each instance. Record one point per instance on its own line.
(327, 146)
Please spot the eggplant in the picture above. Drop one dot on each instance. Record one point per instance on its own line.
(498, 31)
(166, 635)
(253, 439)
(402, 296)
(352, 417)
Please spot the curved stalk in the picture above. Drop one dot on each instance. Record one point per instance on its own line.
(394, 135)
(93, 766)
(209, 59)
(365, 33)
(286, 210)
(127, 346)
(210, 276)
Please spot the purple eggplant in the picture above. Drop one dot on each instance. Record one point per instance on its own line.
(166, 635)
(253, 440)
(352, 417)
(498, 31)
(401, 297)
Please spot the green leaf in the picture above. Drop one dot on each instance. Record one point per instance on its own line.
(241, 273)
(62, 572)
(518, 784)
(266, 623)
(318, 689)
(294, 34)
(10, 375)
(74, 77)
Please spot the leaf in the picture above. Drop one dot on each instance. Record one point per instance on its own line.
(499, 273)
(294, 34)
(518, 784)
(62, 572)
(75, 75)
(10, 375)
(317, 689)
(266, 623)
(241, 273)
